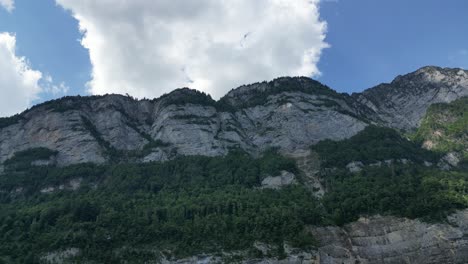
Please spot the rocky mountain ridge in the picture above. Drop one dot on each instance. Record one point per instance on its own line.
(287, 113)
(402, 103)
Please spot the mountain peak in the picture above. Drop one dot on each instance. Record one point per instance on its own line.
(247, 95)
(403, 102)
(186, 96)
(432, 74)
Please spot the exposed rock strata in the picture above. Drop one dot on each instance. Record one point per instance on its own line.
(403, 102)
(288, 113)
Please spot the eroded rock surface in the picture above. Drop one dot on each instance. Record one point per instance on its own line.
(276, 182)
(293, 114)
(403, 102)
(287, 113)
(388, 239)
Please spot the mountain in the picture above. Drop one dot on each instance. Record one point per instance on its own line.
(402, 103)
(293, 113)
(285, 171)
(288, 113)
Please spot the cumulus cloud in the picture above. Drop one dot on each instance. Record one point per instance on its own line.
(18, 82)
(20, 85)
(52, 88)
(9, 5)
(147, 48)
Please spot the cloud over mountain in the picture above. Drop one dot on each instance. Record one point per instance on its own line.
(146, 48)
(19, 84)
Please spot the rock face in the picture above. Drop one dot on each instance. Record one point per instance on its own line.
(276, 182)
(355, 166)
(395, 240)
(293, 113)
(403, 103)
(288, 113)
(451, 159)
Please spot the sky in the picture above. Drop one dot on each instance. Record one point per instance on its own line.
(53, 48)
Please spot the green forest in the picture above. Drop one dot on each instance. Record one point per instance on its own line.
(445, 128)
(195, 204)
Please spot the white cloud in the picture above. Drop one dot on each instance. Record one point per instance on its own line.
(18, 82)
(9, 5)
(146, 48)
(20, 85)
(49, 87)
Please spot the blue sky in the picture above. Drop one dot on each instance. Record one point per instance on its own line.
(48, 37)
(370, 42)
(374, 41)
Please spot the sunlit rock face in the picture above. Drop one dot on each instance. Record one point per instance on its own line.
(287, 113)
(292, 113)
(403, 103)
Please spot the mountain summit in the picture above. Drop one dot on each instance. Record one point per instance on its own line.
(402, 103)
(289, 113)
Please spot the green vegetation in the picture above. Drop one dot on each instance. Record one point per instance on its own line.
(189, 205)
(185, 96)
(371, 145)
(279, 85)
(8, 121)
(445, 128)
(410, 191)
(23, 159)
(197, 204)
(95, 133)
(119, 155)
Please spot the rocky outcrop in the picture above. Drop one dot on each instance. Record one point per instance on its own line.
(388, 239)
(449, 160)
(308, 163)
(355, 166)
(403, 103)
(287, 113)
(293, 114)
(277, 182)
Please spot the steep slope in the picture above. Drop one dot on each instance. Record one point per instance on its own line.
(444, 129)
(197, 205)
(292, 113)
(289, 113)
(403, 103)
(81, 129)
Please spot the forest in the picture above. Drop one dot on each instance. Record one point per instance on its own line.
(196, 204)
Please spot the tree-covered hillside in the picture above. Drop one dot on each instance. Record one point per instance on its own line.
(193, 205)
(394, 178)
(132, 211)
(445, 128)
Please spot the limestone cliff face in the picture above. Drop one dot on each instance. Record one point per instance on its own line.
(403, 103)
(288, 113)
(297, 113)
(395, 240)
(70, 126)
